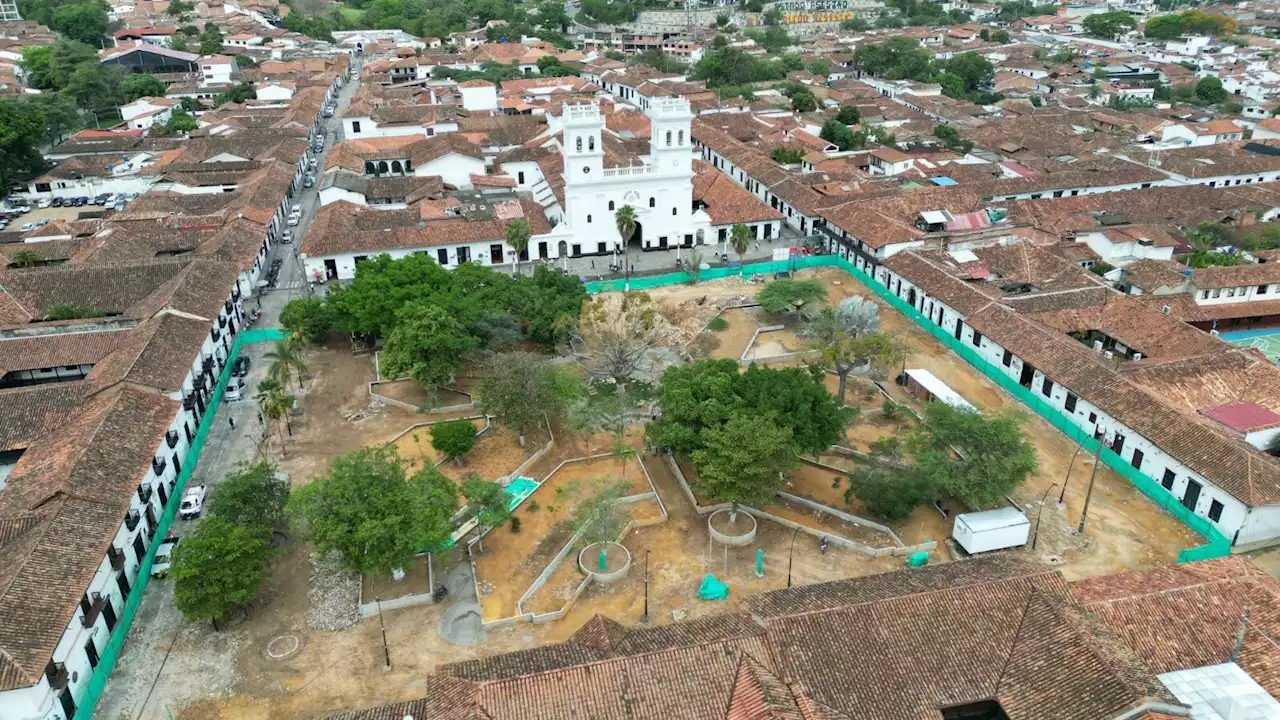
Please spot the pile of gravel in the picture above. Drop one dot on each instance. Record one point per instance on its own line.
(334, 594)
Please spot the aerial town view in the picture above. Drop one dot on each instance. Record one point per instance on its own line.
(639, 360)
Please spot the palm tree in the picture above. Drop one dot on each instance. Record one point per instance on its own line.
(518, 238)
(275, 404)
(625, 220)
(740, 237)
(285, 361)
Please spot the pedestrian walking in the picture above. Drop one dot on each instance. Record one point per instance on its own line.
(259, 417)
(593, 264)
(232, 421)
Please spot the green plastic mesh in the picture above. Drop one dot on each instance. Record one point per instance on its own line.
(110, 654)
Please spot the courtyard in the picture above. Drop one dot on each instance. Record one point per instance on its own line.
(269, 662)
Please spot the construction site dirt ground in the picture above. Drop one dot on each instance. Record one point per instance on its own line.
(191, 671)
(1125, 529)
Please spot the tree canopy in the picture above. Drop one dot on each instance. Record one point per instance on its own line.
(788, 295)
(1109, 25)
(974, 457)
(545, 302)
(141, 85)
(453, 438)
(22, 129)
(706, 394)
(217, 566)
(519, 388)
(252, 496)
(369, 511)
(427, 343)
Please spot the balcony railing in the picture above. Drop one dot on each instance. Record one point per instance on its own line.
(94, 609)
(131, 519)
(57, 675)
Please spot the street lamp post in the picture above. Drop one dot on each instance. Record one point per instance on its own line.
(791, 554)
(644, 619)
(1044, 497)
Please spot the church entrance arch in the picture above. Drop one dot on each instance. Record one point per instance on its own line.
(562, 250)
(637, 238)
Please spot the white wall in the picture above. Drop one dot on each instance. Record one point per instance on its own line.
(1154, 463)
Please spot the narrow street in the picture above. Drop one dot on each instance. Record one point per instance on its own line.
(168, 661)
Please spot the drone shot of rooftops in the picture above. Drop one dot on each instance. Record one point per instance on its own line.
(639, 359)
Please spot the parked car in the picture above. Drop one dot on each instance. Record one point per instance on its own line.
(235, 389)
(42, 222)
(295, 210)
(43, 204)
(26, 227)
(287, 237)
(293, 221)
(56, 202)
(192, 502)
(241, 368)
(310, 182)
(164, 556)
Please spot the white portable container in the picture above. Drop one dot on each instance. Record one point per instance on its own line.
(979, 532)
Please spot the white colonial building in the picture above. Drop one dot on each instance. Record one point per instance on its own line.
(660, 191)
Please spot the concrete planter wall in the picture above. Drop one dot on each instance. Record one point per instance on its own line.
(732, 540)
(587, 562)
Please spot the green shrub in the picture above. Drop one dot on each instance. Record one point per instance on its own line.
(718, 324)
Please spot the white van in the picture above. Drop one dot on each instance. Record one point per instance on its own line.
(235, 389)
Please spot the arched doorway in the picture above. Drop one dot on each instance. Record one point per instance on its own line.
(637, 238)
(562, 250)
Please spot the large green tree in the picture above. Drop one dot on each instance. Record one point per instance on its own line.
(745, 461)
(253, 496)
(141, 85)
(1109, 25)
(49, 67)
(22, 129)
(788, 295)
(85, 22)
(427, 343)
(310, 318)
(1209, 91)
(216, 567)
(706, 394)
(96, 88)
(974, 457)
(521, 388)
(369, 511)
(210, 39)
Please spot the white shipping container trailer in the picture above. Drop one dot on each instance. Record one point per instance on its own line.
(980, 532)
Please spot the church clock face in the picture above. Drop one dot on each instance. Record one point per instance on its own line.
(586, 169)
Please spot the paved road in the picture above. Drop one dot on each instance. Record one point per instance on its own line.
(292, 280)
(150, 681)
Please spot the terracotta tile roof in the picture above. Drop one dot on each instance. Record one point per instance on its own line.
(158, 354)
(905, 644)
(1149, 275)
(70, 348)
(337, 228)
(27, 413)
(81, 479)
(1018, 640)
(1190, 615)
(600, 639)
(726, 201)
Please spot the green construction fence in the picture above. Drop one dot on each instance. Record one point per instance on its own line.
(1217, 544)
(111, 654)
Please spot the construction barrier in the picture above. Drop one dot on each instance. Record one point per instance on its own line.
(111, 653)
(1217, 544)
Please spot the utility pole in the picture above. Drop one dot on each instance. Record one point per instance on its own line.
(791, 554)
(1063, 495)
(644, 619)
(1088, 495)
(386, 651)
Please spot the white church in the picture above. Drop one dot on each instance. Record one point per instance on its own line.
(565, 193)
(660, 191)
